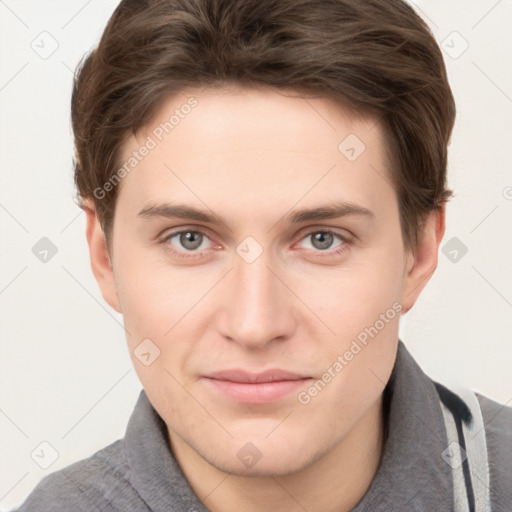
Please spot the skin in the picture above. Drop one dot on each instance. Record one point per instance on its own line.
(254, 157)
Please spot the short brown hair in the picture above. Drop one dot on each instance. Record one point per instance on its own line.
(374, 56)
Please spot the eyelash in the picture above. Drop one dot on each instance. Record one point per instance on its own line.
(193, 254)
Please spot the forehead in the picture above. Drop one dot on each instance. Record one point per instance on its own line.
(256, 146)
(255, 116)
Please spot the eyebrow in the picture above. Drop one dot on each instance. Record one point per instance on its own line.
(332, 211)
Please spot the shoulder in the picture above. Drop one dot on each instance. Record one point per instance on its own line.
(498, 433)
(498, 425)
(98, 483)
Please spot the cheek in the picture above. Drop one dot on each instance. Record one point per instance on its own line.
(360, 304)
(353, 296)
(155, 300)
(363, 310)
(153, 295)
(145, 302)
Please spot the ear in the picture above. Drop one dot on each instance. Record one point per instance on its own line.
(100, 258)
(421, 261)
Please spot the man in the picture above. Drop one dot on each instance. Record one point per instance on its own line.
(264, 184)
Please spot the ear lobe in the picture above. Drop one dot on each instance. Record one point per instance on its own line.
(422, 260)
(99, 256)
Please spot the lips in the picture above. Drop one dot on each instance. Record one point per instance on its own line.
(255, 388)
(244, 376)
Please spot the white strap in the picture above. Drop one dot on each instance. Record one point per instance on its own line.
(452, 456)
(476, 453)
(476, 447)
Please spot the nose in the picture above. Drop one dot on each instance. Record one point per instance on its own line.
(257, 307)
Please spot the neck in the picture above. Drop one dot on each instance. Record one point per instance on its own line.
(335, 482)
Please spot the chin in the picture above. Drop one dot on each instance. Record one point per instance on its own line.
(260, 456)
(276, 465)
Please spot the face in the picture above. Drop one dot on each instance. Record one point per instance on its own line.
(258, 239)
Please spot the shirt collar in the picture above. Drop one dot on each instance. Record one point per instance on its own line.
(155, 474)
(411, 476)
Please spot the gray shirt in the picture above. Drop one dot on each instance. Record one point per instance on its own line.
(139, 473)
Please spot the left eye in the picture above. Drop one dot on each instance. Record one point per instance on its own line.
(189, 240)
(323, 240)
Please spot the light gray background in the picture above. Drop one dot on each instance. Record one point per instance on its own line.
(65, 374)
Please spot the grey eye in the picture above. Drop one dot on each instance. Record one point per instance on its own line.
(190, 240)
(321, 240)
